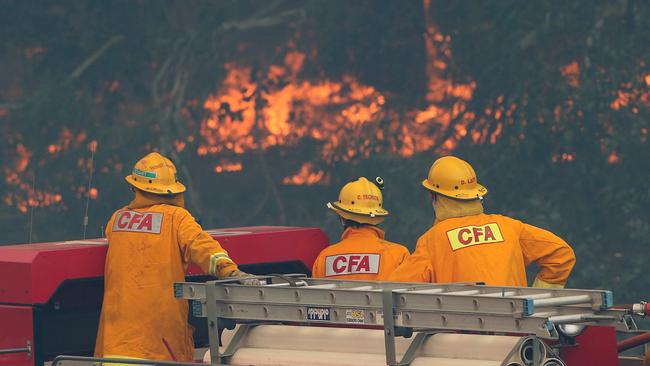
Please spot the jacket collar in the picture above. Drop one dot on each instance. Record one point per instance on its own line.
(144, 199)
(447, 208)
(366, 230)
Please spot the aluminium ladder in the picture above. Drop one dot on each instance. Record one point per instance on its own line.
(422, 306)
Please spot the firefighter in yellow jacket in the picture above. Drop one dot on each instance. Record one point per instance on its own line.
(466, 245)
(151, 241)
(362, 253)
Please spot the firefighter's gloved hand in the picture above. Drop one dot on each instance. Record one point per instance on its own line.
(543, 284)
(245, 278)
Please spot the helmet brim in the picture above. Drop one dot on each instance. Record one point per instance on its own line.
(364, 219)
(359, 210)
(174, 188)
(460, 194)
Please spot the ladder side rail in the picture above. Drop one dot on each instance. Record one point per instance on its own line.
(426, 320)
(381, 285)
(297, 295)
(189, 290)
(62, 360)
(522, 291)
(464, 303)
(368, 298)
(212, 317)
(542, 325)
(599, 299)
(339, 315)
(539, 326)
(196, 290)
(414, 286)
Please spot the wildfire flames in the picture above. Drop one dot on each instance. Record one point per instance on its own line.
(26, 194)
(349, 119)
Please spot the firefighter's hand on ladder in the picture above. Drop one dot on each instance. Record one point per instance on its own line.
(245, 278)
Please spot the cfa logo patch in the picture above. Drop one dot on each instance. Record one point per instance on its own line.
(138, 222)
(467, 236)
(336, 265)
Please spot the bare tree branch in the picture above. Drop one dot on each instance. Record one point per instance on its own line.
(96, 55)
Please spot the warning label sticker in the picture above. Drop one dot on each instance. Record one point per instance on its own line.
(356, 316)
(320, 314)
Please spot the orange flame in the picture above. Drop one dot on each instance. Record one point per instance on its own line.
(613, 158)
(571, 72)
(250, 112)
(307, 176)
(227, 167)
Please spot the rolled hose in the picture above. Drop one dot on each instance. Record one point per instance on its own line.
(632, 342)
(527, 349)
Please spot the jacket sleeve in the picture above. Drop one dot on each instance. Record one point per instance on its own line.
(399, 253)
(199, 248)
(416, 267)
(554, 256)
(317, 270)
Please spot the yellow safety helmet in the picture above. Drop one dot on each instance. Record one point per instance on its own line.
(155, 174)
(455, 178)
(361, 201)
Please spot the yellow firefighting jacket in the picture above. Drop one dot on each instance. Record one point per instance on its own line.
(493, 249)
(362, 254)
(149, 248)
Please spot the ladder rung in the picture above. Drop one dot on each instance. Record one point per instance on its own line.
(282, 284)
(359, 288)
(427, 291)
(564, 300)
(545, 314)
(577, 318)
(464, 293)
(325, 286)
(499, 294)
(543, 295)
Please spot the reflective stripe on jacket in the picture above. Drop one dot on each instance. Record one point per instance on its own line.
(493, 249)
(362, 254)
(149, 249)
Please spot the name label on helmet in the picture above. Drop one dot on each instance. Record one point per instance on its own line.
(142, 173)
(467, 236)
(370, 197)
(138, 222)
(336, 265)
